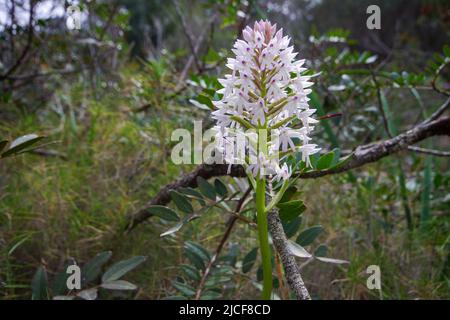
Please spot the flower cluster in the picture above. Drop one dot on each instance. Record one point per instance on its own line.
(266, 91)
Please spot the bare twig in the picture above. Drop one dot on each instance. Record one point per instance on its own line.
(432, 152)
(27, 45)
(440, 111)
(194, 47)
(243, 21)
(436, 76)
(189, 36)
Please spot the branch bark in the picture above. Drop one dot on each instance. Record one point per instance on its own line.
(291, 269)
(363, 155)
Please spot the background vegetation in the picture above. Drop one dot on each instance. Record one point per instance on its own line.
(107, 97)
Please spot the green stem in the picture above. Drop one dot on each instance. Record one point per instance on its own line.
(278, 197)
(263, 235)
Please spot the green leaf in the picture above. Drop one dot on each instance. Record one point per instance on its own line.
(313, 160)
(289, 194)
(215, 280)
(88, 294)
(196, 260)
(210, 295)
(249, 260)
(291, 227)
(221, 189)
(181, 202)
(307, 236)
(59, 286)
(332, 260)
(447, 51)
(336, 158)
(191, 272)
(321, 251)
(21, 143)
(205, 100)
(297, 250)
(122, 267)
(325, 161)
(91, 270)
(343, 161)
(206, 188)
(193, 193)
(198, 251)
(164, 213)
(173, 229)
(199, 105)
(184, 288)
(118, 285)
(291, 209)
(39, 285)
(259, 273)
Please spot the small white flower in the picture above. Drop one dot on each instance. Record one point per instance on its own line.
(286, 135)
(259, 111)
(282, 173)
(308, 150)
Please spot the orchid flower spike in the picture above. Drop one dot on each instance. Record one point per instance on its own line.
(267, 89)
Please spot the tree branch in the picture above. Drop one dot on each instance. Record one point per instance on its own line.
(194, 53)
(375, 151)
(189, 36)
(362, 155)
(291, 269)
(27, 45)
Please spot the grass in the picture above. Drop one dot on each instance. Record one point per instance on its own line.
(52, 209)
(412, 263)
